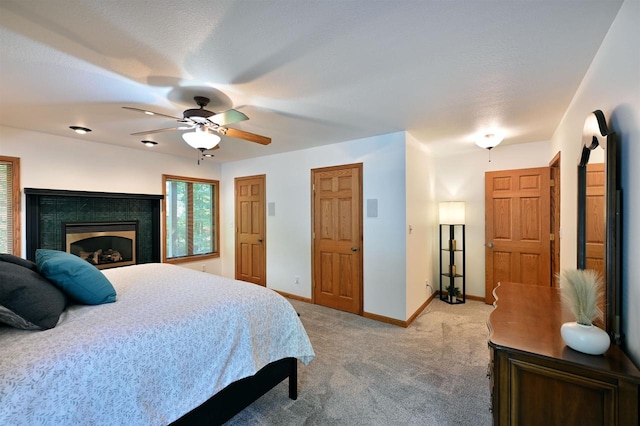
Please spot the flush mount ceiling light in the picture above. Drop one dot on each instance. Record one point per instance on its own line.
(489, 141)
(149, 143)
(201, 139)
(80, 130)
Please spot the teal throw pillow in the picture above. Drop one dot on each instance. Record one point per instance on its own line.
(76, 277)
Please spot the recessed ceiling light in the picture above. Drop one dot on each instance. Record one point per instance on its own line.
(208, 155)
(80, 130)
(149, 143)
(149, 113)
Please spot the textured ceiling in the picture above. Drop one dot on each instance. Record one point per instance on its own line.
(306, 72)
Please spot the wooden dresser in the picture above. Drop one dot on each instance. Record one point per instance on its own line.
(537, 380)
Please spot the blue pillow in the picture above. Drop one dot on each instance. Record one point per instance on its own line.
(76, 277)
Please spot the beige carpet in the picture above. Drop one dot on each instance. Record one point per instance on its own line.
(371, 373)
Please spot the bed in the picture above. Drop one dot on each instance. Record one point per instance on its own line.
(177, 346)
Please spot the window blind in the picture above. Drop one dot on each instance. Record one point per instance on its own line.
(6, 207)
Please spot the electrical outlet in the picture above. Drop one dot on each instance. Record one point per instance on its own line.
(297, 280)
(428, 287)
(203, 268)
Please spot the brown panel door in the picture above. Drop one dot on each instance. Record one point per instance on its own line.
(250, 230)
(517, 227)
(337, 237)
(595, 226)
(595, 218)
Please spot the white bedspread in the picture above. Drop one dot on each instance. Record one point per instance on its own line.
(173, 338)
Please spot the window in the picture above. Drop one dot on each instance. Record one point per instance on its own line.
(191, 214)
(10, 205)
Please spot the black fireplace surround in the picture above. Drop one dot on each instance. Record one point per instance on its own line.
(52, 214)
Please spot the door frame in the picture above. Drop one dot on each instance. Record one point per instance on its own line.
(554, 216)
(360, 230)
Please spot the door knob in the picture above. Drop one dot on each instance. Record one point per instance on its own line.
(354, 248)
(490, 245)
(259, 240)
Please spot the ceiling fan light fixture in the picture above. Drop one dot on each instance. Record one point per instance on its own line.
(80, 130)
(201, 139)
(207, 126)
(489, 141)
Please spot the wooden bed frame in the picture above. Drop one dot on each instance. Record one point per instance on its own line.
(238, 395)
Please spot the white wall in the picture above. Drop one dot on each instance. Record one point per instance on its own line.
(611, 84)
(461, 178)
(421, 240)
(288, 234)
(54, 162)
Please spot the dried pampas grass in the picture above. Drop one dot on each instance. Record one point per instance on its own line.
(581, 289)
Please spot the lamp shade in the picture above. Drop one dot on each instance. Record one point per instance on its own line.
(201, 139)
(452, 213)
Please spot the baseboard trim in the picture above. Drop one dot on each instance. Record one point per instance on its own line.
(398, 322)
(467, 296)
(293, 296)
(476, 298)
(382, 318)
(420, 309)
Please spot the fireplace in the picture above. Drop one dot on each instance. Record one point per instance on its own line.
(48, 211)
(103, 244)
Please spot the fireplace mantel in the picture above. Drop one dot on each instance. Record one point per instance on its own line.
(69, 193)
(48, 209)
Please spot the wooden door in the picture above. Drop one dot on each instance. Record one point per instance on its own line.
(250, 230)
(595, 228)
(517, 228)
(595, 218)
(337, 237)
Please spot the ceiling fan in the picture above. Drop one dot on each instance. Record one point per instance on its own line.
(206, 125)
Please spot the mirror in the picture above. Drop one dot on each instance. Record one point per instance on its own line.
(599, 215)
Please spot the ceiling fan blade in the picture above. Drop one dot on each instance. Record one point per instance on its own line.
(169, 129)
(229, 116)
(144, 111)
(251, 137)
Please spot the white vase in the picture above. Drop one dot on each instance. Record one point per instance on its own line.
(588, 339)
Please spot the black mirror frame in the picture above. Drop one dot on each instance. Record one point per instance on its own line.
(613, 235)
